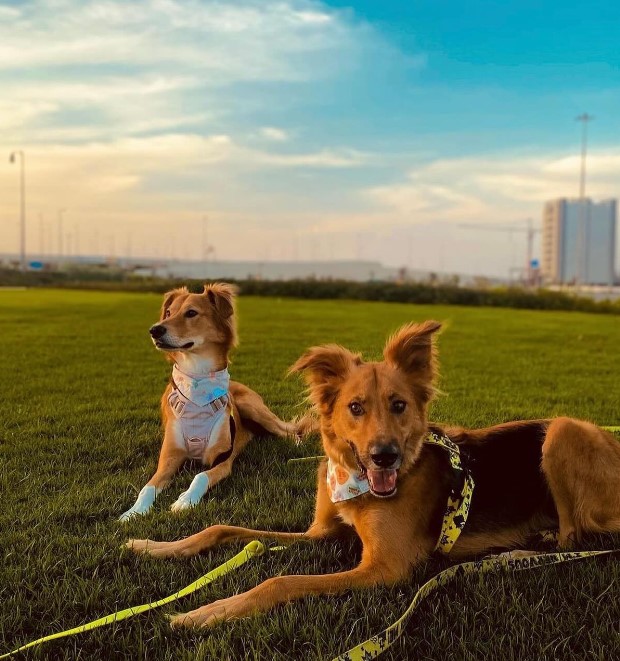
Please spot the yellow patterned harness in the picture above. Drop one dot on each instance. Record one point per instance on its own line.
(459, 501)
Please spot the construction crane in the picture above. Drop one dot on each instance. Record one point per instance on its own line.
(530, 231)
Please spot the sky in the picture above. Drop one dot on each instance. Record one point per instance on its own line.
(303, 129)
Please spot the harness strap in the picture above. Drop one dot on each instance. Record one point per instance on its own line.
(223, 456)
(179, 402)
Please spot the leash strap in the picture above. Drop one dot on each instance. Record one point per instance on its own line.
(370, 648)
(373, 647)
(250, 550)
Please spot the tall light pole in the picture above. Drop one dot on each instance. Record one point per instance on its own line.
(22, 232)
(205, 220)
(60, 212)
(582, 246)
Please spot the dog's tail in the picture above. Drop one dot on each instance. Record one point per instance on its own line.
(306, 424)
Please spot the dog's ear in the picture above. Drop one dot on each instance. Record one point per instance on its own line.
(412, 350)
(221, 295)
(168, 298)
(324, 369)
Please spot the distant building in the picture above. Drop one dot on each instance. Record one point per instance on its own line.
(579, 242)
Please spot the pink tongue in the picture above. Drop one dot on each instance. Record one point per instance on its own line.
(382, 481)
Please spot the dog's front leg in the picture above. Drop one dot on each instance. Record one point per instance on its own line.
(389, 553)
(282, 589)
(205, 480)
(171, 458)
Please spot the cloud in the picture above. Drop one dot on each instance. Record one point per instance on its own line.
(118, 61)
(273, 133)
(494, 188)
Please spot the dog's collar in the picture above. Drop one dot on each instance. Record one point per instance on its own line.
(345, 484)
(201, 389)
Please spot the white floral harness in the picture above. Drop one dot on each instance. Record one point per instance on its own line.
(199, 403)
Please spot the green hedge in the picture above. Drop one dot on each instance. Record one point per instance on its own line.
(506, 297)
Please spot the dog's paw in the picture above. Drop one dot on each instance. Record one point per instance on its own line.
(155, 549)
(207, 616)
(144, 503)
(517, 554)
(193, 495)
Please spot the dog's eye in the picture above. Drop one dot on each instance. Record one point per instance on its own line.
(166, 314)
(356, 408)
(191, 313)
(398, 406)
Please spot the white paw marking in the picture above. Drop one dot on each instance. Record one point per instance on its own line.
(191, 497)
(143, 503)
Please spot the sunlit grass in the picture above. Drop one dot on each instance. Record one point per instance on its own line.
(79, 435)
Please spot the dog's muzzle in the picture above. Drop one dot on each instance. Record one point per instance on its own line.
(382, 469)
(158, 332)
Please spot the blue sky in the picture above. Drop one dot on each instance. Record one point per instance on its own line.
(304, 129)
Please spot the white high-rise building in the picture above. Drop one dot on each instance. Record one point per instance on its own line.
(579, 242)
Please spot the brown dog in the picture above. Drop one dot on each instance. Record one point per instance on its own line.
(205, 415)
(374, 424)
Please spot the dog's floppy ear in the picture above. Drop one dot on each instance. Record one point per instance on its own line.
(221, 295)
(412, 350)
(168, 298)
(324, 369)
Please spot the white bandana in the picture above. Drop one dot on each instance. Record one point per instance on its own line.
(344, 484)
(201, 390)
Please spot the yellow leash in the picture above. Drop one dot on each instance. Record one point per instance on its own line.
(252, 549)
(373, 647)
(370, 648)
(457, 509)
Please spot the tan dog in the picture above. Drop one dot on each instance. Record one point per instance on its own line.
(205, 415)
(373, 419)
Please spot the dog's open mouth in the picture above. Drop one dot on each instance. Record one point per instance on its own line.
(169, 347)
(382, 481)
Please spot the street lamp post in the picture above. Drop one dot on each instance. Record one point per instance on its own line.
(22, 231)
(60, 212)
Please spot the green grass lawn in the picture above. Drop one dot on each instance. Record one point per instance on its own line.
(80, 434)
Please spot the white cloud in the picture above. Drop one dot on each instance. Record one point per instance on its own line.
(497, 188)
(273, 133)
(241, 41)
(9, 12)
(110, 68)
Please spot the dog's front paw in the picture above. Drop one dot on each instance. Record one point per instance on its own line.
(156, 549)
(193, 495)
(143, 504)
(209, 615)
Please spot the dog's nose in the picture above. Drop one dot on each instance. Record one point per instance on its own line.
(384, 455)
(157, 331)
